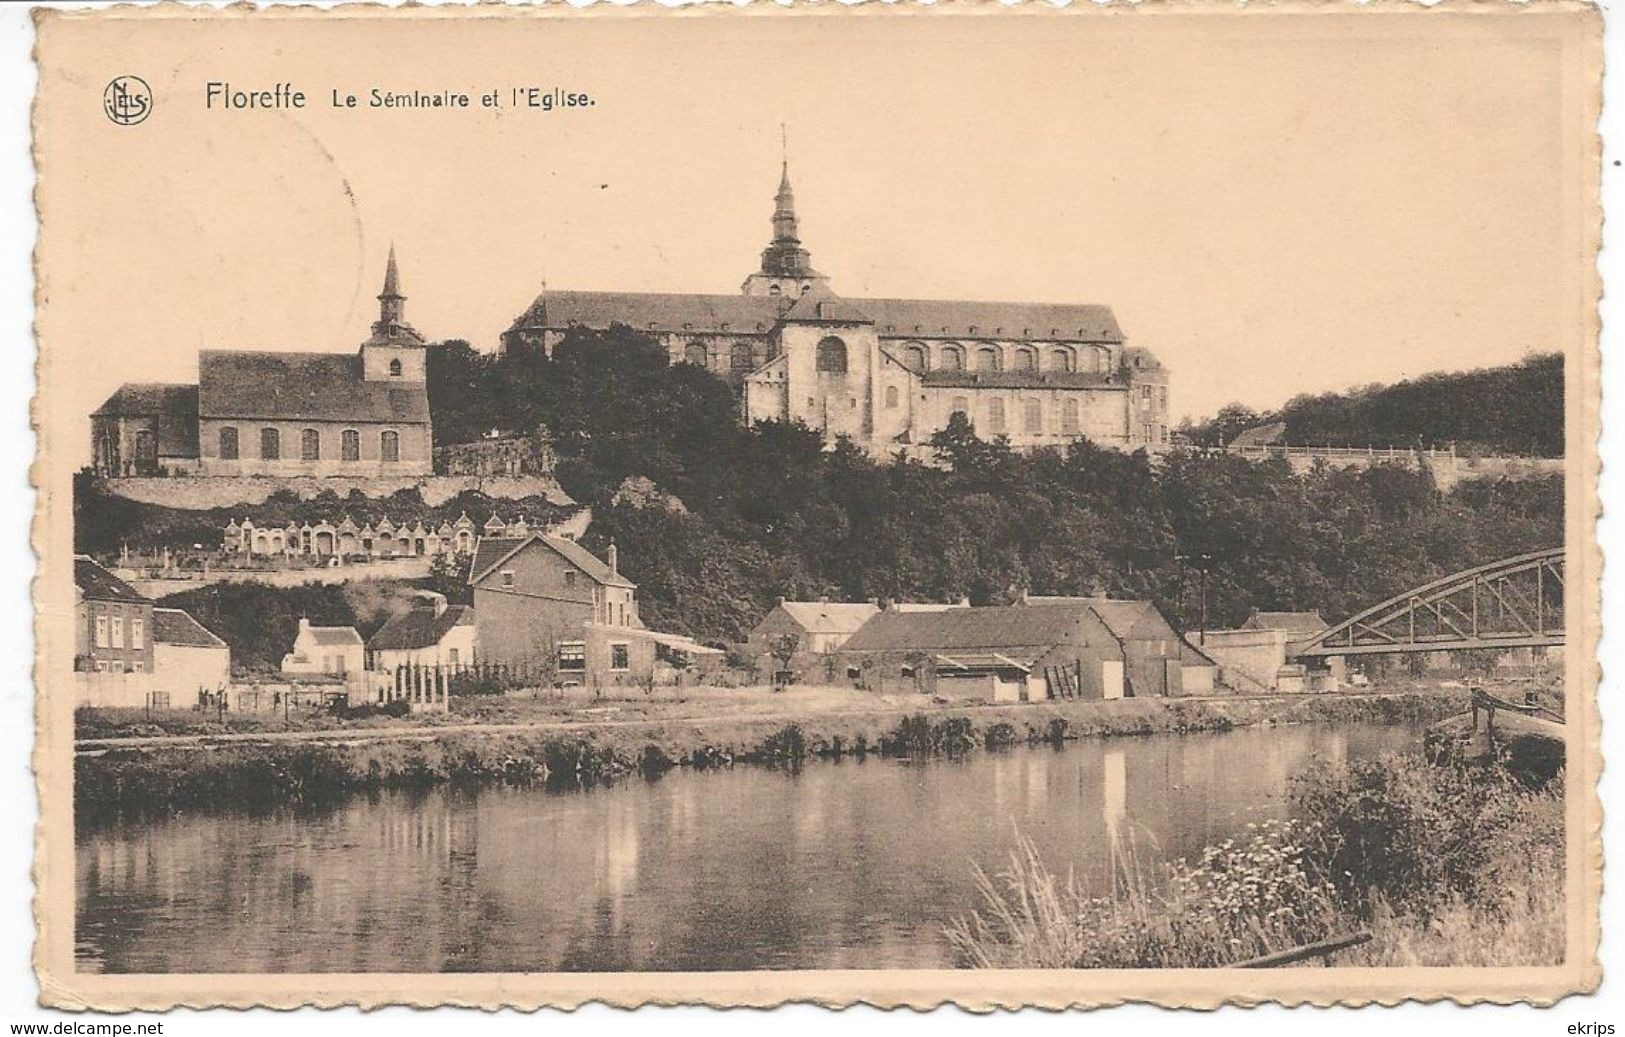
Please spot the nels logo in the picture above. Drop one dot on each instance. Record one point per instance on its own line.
(127, 100)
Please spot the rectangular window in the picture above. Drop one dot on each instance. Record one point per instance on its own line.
(138, 666)
(138, 633)
(507, 577)
(1035, 416)
(228, 444)
(160, 699)
(101, 631)
(620, 657)
(350, 445)
(1146, 431)
(101, 665)
(995, 416)
(1145, 393)
(1162, 395)
(451, 657)
(390, 445)
(1069, 416)
(572, 656)
(570, 578)
(270, 444)
(118, 631)
(310, 445)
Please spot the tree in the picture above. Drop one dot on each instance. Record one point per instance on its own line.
(784, 648)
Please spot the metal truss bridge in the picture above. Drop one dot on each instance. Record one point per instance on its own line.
(1513, 603)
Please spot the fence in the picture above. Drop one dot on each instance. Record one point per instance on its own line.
(1370, 453)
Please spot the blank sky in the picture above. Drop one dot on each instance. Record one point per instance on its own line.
(1273, 203)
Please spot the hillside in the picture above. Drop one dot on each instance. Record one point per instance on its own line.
(1516, 409)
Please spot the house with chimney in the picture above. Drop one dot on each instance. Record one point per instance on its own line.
(430, 633)
(546, 605)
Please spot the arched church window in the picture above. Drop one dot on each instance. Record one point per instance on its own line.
(694, 353)
(394, 368)
(350, 445)
(270, 444)
(228, 444)
(1060, 360)
(741, 360)
(390, 446)
(987, 359)
(917, 359)
(310, 445)
(1026, 360)
(831, 356)
(995, 415)
(953, 358)
(891, 396)
(1035, 416)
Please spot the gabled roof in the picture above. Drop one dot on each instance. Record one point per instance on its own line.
(303, 386)
(97, 584)
(176, 627)
(756, 314)
(829, 617)
(1292, 622)
(174, 407)
(991, 628)
(419, 627)
(1132, 619)
(491, 552)
(335, 635)
(826, 307)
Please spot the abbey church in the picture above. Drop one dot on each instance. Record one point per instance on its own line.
(888, 373)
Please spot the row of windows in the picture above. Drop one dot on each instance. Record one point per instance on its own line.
(953, 357)
(310, 445)
(110, 632)
(742, 360)
(1032, 412)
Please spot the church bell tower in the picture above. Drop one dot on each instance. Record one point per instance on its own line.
(395, 352)
(786, 267)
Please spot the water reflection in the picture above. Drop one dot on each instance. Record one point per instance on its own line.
(851, 865)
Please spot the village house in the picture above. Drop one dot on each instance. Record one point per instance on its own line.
(818, 626)
(430, 633)
(1042, 648)
(547, 605)
(325, 651)
(281, 413)
(112, 623)
(188, 655)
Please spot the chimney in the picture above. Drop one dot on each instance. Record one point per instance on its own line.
(614, 560)
(781, 599)
(304, 623)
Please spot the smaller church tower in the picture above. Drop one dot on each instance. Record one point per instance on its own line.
(395, 352)
(786, 267)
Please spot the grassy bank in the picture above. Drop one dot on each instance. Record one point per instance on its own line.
(1442, 864)
(583, 750)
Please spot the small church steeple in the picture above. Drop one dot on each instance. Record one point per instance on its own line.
(391, 326)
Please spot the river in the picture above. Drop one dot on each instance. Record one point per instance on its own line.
(853, 864)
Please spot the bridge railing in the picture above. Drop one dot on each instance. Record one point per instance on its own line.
(1373, 453)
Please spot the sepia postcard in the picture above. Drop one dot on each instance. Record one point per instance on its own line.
(979, 505)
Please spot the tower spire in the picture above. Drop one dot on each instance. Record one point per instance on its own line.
(786, 266)
(392, 278)
(391, 324)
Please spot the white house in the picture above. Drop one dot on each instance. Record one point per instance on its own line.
(329, 651)
(187, 656)
(430, 633)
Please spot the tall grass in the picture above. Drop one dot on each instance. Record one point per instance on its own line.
(1442, 865)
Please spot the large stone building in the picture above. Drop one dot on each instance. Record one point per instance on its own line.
(888, 372)
(282, 414)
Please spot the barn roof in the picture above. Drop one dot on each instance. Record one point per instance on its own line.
(302, 386)
(991, 628)
(829, 617)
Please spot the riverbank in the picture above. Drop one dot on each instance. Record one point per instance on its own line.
(258, 771)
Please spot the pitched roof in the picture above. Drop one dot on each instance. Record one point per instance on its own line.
(756, 314)
(829, 617)
(334, 635)
(176, 627)
(97, 584)
(419, 627)
(493, 551)
(1260, 435)
(1125, 619)
(1292, 622)
(302, 386)
(175, 407)
(990, 627)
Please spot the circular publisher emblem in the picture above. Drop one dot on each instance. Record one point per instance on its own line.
(127, 100)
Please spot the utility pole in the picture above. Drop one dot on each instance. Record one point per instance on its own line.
(1202, 562)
